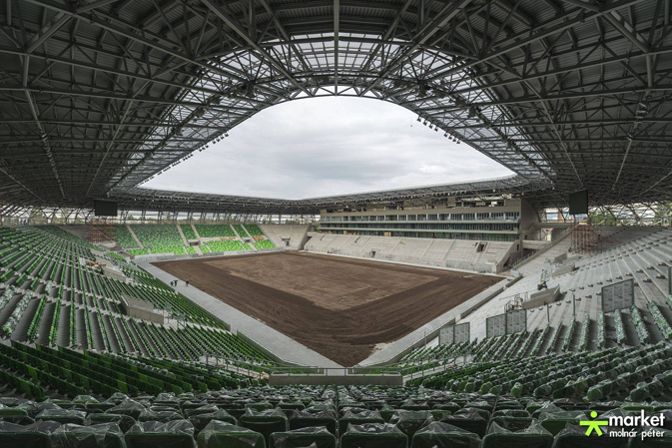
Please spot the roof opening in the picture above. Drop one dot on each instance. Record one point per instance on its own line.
(327, 146)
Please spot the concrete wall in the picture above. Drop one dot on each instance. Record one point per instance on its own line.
(295, 234)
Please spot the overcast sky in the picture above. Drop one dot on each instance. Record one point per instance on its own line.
(327, 146)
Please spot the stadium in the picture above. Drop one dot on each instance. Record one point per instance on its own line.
(532, 310)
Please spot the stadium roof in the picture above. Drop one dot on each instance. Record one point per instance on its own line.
(98, 96)
(149, 199)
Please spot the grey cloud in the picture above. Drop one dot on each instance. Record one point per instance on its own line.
(328, 146)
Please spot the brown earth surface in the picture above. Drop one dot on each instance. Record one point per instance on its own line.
(339, 307)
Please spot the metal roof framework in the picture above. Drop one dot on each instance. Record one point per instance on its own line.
(175, 201)
(98, 96)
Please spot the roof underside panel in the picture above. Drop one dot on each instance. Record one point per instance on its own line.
(98, 96)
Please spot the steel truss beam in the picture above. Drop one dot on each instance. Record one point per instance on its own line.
(96, 97)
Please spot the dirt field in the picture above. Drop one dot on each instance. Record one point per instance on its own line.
(339, 307)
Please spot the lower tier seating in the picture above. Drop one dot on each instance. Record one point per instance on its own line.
(40, 372)
(634, 374)
(317, 417)
(214, 230)
(224, 246)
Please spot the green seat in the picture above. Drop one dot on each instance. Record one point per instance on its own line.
(556, 421)
(98, 407)
(411, 421)
(105, 435)
(124, 421)
(374, 435)
(443, 435)
(510, 413)
(235, 412)
(653, 442)
(127, 407)
(163, 408)
(440, 414)
(85, 399)
(303, 420)
(415, 405)
(374, 403)
(189, 407)
(480, 404)
(574, 436)
(62, 416)
(534, 436)
(63, 404)
(293, 405)
(15, 415)
(471, 422)
(35, 435)
(603, 406)
(265, 422)
(512, 423)
(204, 409)
(387, 412)
(218, 434)
(359, 417)
(448, 406)
(484, 413)
(173, 434)
(315, 437)
(509, 405)
(200, 421)
(160, 416)
(260, 406)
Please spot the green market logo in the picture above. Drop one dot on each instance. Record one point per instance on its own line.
(594, 425)
(627, 425)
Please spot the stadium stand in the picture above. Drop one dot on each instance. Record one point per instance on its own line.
(626, 253)
(214, 230)
(99, 97)
(264, 244)
(354, 416)
(212, 247)
(239, 229)
(166, 239)
(188, 231)
(53, 292)
(75, 368)
(159, 239)
(485, 256)
(253, 230)
(124, 238)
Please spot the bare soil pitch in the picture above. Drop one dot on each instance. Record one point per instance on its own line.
(338, 307)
